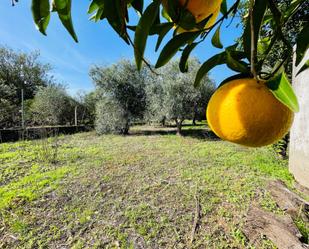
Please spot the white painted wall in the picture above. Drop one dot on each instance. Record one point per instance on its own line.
(299, 141)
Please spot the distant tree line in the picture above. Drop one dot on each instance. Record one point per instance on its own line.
(53, 106)
(45, 102)
(126, 96)
(19, 71)
(122, 97)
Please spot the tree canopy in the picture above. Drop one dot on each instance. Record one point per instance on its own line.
(52, 106)
(19, 71)
(120, 87)
(125, 95)
(172, 96)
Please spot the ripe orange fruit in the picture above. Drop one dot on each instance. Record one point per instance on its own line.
(200, 9)
(245, 112)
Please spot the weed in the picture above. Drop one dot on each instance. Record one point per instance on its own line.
(303, 228)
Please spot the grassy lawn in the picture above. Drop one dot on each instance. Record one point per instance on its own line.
(138, 191)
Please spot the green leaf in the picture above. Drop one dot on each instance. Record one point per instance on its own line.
(237, 55)
(173, 46)
(263, 45)
(172, 9)
(163, 31)
(138, 5)
(202, 24)
(41, 14)
(133, 28)
(258, 14)
(232, 47)
(156, 29)
(95, 4)
(187, 20)
(98, 6)
(63, 8)
(293, 6)
(283, 91)
(302, 44)
(216, 42)
(278, 68)
(212, 62)
(235, 65)
(142, 31)
(183, 64)
(100, 14)
(268, 18)
(116, 17)
(165, 15)
(223, 8)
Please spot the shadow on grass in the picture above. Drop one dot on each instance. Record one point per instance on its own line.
(202, 134)
(189, 125)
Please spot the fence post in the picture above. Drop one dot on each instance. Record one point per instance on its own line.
(299, 141)
(22, 110)
(75, 116)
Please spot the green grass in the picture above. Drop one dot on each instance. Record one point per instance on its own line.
(86, 191)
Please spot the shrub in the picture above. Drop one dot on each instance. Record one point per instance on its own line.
(122, 90)
(111, 117)
(52, 106)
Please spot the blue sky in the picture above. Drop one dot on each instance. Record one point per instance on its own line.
(98, 43)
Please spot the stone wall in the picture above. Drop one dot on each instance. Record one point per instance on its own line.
(299, 143)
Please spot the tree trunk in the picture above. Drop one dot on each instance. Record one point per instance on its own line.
(163, 121)
(179, 126)
(194, 114)
(75, 116)
(194, 119)
(83, 116)
(299, 142)
(126, 128)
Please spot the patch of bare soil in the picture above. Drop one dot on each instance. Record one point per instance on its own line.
(280, 229)
(288, 201)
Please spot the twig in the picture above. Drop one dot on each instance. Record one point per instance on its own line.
(197, 216)
(253, 48)
(232, 19)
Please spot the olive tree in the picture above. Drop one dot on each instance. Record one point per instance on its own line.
(52, 106)
(206, 89)
(155, 111)
(171, 96)
(86, 107)
(111, 117)
(179, 99)
(123, 86)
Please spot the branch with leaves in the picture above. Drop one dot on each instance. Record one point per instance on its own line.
(161, 17)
